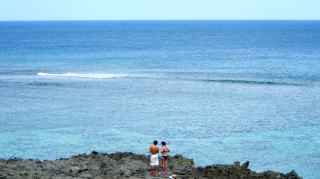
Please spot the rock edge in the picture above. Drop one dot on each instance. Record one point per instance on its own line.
(125, 165)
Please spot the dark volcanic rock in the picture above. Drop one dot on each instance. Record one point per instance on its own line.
(125, 165)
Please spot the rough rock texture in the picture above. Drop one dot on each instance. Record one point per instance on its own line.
(125, 165)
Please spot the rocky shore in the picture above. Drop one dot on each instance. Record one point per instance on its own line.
(125, 165)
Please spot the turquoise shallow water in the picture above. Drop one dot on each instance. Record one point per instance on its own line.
(216, 91)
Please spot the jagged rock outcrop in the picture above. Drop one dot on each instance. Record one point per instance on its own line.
(125, 165)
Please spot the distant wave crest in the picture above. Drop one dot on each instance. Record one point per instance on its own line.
(255, 82)
(78, 75)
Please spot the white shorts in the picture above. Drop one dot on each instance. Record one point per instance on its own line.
(154, 161)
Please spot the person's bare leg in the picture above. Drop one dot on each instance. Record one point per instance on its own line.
(163, 167)
(166, 166)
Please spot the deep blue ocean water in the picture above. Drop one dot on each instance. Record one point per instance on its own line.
(216, 91)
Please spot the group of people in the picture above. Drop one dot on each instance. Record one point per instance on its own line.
(154, 160)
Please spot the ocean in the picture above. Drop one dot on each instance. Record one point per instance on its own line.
(215, 91)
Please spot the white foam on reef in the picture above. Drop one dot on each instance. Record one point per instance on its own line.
(78, 75)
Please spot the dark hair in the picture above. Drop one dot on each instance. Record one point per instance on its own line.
(155, 142)
(163, 143)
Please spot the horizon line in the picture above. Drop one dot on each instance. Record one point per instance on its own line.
(8, 20)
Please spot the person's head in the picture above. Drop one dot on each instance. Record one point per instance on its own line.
(163, 143)
(155, 142)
